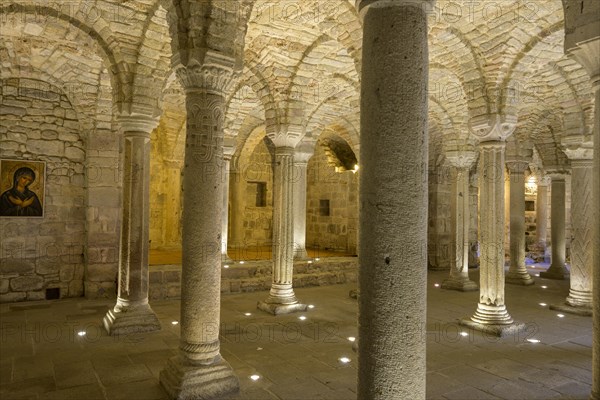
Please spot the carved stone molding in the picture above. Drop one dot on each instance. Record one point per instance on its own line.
(493, 127)
(137, 124)
(363, 5)
(578, 147)
(209, 78)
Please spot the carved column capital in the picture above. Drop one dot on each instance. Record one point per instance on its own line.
(216, 79)
(517, 166)
(578, 147)
(137, 124)
(493, 127)
(460, 153)
(586, 53)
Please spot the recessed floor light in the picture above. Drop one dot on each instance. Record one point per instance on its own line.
(317, 259)
(344, 360)
(310, 262)
(352, 338)
(560, 315)
(436, 284)
(242, 262)
(533, 340)
(302, 318)
(255, 377)
(464, 334)
(225, 266)
(543, 304)
(311, 306)
(81, 333)
(544, 287)
(174, 322)
(247, 314)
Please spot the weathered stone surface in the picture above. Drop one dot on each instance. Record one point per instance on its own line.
(26, 283)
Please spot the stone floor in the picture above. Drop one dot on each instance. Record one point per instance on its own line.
(42, 355)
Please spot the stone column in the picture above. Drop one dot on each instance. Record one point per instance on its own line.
(580, 152)
(587, 53)
(517, 273)
(491, 315)
(282, 299)
(227, 155)
(541, 212)
(461, 158)
(237, 182)
(557, 269)
(301, 157)
(132, 313)
(199, 371)
(393, 198)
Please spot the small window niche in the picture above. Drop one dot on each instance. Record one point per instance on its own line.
(324, 210)
(52, 293)
(530, 205)
(261, 194)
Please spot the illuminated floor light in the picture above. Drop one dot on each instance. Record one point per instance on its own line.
(537, 274)
(242, 262)
(436, 284)
(543, 304)
(464, 334)
(544, 287)
(533, 340)
(302, 318)
(352, 338)
(255, 377)
(81, 333)
(310, 262)
(225, 266)
(259, 348)
(174, 322)
(560, 315)
(247, 314)
(311, 306)
(317, 259)
(344, 360)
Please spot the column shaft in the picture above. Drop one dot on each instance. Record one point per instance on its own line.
(393, 197)
(541, 215)
(491, 309)
(281, 297)
(459, 270)
(225, 212)
(199, 371)
(517, 273)
(557, 269)
(596, 254)
(132, 313)
(299, 190)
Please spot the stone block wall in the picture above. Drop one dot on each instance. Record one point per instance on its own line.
(38, 123)
(74, 247)
(165, 280)
(338, 231)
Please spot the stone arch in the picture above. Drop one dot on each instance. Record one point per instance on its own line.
(98, 30)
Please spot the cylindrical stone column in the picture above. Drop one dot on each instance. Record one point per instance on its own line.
(541, 213)
(199, 371)
(588, 55)
(393, 198)
(491, 309)
(281, 298)
(132, 313)
(557, 268)
(301, 159)
(225, 218)
(517, 273)
(579, 300)
(461, 159)
(237, 197)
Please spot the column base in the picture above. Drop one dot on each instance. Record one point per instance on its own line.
(519, 278)
(554, 272)
(584, 311)
(494, 329)
(353, 294)
(225, 259)
(487, 314)
(301, 255)
(279, 308)
(463, 285)
(126, 321)
(183, 381)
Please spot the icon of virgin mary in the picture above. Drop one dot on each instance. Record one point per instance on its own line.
(20, 201)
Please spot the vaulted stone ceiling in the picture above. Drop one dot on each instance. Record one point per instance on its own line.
(302, 66)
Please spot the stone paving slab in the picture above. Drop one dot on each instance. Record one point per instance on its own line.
(295, 359)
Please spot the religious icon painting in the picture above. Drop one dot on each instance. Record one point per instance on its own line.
(22, 188)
